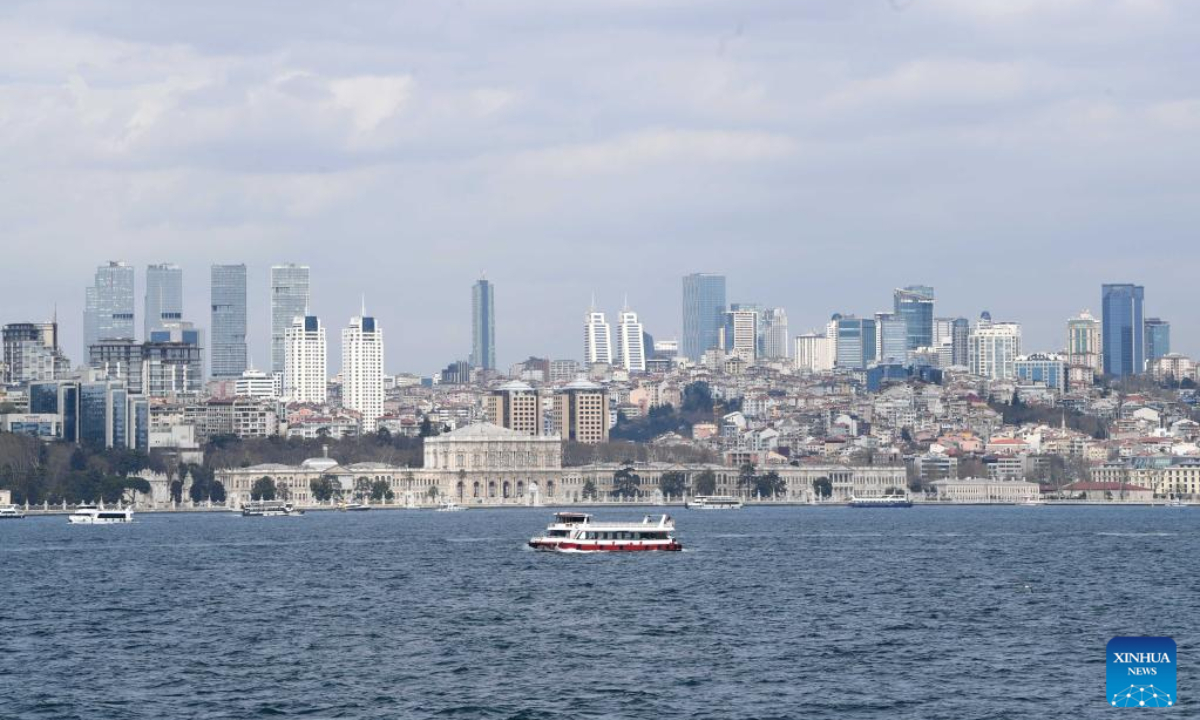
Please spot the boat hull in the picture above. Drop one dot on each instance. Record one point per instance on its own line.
(573, 546)
(896, 504)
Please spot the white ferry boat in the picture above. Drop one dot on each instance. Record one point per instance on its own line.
(269, 508)
(451, 507)
(575, 532)
(354, 507)
(11, 512)
(714, 502)
(92, 515)
(887, 501)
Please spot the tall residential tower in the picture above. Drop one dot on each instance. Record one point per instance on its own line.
(362, 370)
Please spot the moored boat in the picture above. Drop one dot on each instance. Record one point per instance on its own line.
(270, 508)
(354, 507)
(714, 502)
(1176, 504)
(576, 532)
(451, 506)
(887, 501)
(11, 512)
(92, 515)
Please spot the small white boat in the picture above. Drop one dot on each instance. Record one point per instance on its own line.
(11, 512)
(885, 501)
(354, 507)
(575, 532)
(1176, 504)
(92, 515)
(451, 507)
(270, 508)
(1032, 502)
(714, 502)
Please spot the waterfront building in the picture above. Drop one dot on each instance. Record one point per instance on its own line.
(952, 334)
(289, 300)
(515, 406)
(993, 348)
(1041, 368)
(813, 353)
(597, 340)
(164, 297)
(740, 332)
(855, 342)
(581, 412)
(773, 334)
(1123, 328)
(1158, 339)
(305, 374)
(703, 306)
(362, 370)
(243, 417)
(914, 305)
(891, 339)
(985, 490)
(108, 305)
(229, 356)
(32, 353)
(631, 348)
(483, 326)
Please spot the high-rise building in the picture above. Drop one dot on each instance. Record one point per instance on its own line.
(289, 300)
(597, 340)
(516, 406)
(108, 306)
(1041, 368)
(740, 332)
(950, 340)
(173, 361)
(305, 378)
(164, 297)
(631, 349)
(1084, 348)
(229, 355)
(703, 313)
(773, 334)
(362, 370)
(581, 412)
(854, 344)
(118, 360)
(32, 354)
(814, 352)
(1123, 327)
(993, 348)
(1158, 339)
(483, 326)
(914, 305)
(891, 339)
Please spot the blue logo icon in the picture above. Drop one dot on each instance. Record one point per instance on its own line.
(1141, 672)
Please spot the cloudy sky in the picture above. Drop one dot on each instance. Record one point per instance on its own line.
(1013, 153)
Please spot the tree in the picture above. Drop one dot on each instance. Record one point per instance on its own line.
(769, 485)
(432, 492)
(177, 491)
(626, 483)
(672, 483)
(589, 490)
(706, 483)
(380, 490)
(746, 476)
(362, 489)
(823, 487)
(263, 489)
(697, 399)
(322, 488)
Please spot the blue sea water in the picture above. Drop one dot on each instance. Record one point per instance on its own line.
(952, 613)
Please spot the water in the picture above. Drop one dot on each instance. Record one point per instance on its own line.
(769, 613)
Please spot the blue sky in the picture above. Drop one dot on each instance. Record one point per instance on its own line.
(1014, 154)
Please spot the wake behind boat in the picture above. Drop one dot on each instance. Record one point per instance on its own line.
(270, 508)
(576, 532)
(92, 515)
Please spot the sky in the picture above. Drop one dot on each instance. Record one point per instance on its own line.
(1014, 154)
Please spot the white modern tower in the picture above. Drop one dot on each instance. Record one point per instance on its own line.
(304, 368)
(362, 370)
(289, 300)
(993, 348)
(597, 339)
(631, 346)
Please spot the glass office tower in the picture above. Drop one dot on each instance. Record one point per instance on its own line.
(1122, 329)
(703, 313)
(229, 355)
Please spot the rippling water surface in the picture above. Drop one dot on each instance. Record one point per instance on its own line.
(769, 613)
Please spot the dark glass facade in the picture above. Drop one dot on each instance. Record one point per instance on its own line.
(703, 313)
(1123, 328)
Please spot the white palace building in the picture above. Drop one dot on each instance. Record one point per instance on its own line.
(485, 464)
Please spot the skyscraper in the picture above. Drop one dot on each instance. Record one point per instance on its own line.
(31, 353)
(305, 376)
(597, 340)
(516, 406)
(108, 307)
(993, 349)
(289, 300)
(891, 339)
(741, 331)
(703, 313)
(950, 340)
(164, 297)
(1158, 339)
(814, 352)
(229, 356)
(631, 348)
(1123, 327)
(854, 341)
(362, 370)
(483, 326)
(1084, 349)
(773, 334)
(914, 305)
